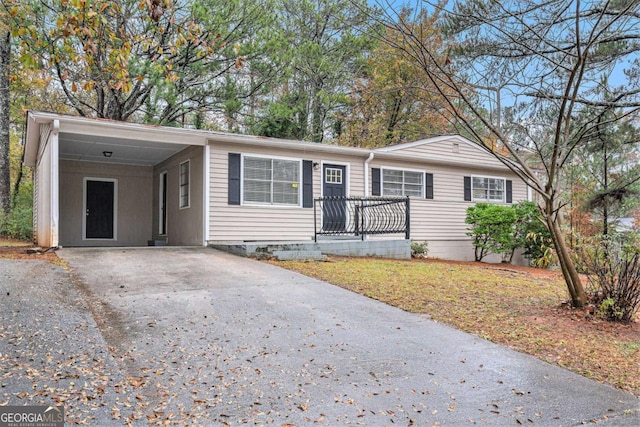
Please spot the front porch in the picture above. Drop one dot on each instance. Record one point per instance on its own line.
(343, 226)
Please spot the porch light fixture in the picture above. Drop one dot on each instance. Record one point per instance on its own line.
(107, 153)
(316, 166)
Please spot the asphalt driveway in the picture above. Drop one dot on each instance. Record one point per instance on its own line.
(197, 336)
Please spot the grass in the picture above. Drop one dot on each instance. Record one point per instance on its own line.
(6, 242)
(516, 307)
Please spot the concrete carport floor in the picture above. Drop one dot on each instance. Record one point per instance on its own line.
(204, 337)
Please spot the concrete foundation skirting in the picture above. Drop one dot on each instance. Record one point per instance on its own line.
(398, 249)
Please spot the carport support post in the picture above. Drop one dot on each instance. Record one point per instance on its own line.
(55, 188)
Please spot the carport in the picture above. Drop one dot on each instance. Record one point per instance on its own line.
(108, 183)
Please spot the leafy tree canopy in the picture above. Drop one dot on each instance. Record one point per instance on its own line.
(118, 59)
(392, 101)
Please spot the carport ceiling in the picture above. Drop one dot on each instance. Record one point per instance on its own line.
(123, 151)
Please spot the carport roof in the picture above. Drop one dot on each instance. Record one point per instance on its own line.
(86, 139)
(123, 150)
(83, 138)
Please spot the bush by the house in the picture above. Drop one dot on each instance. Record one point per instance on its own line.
(532, 235)
(492, 228)
(419, 249)
(501, 229)
(539, 249)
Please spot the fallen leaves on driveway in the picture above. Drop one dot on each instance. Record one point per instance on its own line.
(515, 306)
(47, 351)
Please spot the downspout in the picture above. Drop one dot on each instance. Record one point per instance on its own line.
(366, 174)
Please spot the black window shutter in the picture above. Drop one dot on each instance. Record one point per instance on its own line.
(234, 179)
(375, 182)
(428, 189)
(307, 184)
(509, 192)
(467, 188)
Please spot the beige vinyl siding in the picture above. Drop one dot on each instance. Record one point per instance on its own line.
(133, 213)
(269, 223)
(440, 219)
(434, 220)
(184, 225)
(448, 184)
(445, 151)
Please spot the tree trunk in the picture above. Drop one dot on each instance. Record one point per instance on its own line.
(605, 210)
(569, 272)
(5, 167)
(317, 118)
(393, 119)
(16, 184)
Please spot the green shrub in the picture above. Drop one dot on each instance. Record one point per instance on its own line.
(608, 309)
(492, 228)
(532, 235)
(501, 229)
(539, 249)
(419, 249)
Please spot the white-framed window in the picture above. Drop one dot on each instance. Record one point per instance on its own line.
(185, 180)
(271, 181)
(397, 182)
(333, 176)
(487, 189)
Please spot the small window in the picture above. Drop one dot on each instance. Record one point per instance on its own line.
(402, 183)
(184, 184)
(487, 189)
(271, 181)
(333, 176)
